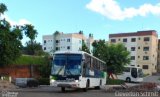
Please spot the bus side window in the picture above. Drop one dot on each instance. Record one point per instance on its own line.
(126, 69)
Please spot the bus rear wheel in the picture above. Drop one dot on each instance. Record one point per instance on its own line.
(100, 84)
(63, 89)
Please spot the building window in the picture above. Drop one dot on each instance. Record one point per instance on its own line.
(133, 39)
(132, 57)
(57, 48)
(126, 69)
(139, 47)
(145, 57)
(57, 41)
(145, 66)
(125, 40)
(44, 41)
(146, 38)
(113, 40)
(133, 48)
(44, 48)
(145, 48)
(68, 40)
(68, 47)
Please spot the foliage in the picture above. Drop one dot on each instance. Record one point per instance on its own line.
(56, 32)
(30, 60)
(10, 42)
(45, 69)
(43, 81)
(33, 48)
(84, 47)
(115, 55)
(114, 82)
(31, 33)
(81, 32)
(3, 8)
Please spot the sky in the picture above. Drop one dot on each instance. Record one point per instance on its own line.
(99, 17)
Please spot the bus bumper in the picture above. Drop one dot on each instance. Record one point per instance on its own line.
(140, 80)
(65, 84)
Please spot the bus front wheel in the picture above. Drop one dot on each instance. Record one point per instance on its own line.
(87, 86)
(63, 89)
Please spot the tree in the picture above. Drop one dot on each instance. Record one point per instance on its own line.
(3, 8)
(31, 33)
(84, 47)
(33, 48)
(10, 42)
(115, 55)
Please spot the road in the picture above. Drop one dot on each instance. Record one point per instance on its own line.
(152, 79)
(56, 92)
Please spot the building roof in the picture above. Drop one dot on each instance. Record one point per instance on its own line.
(138, 33)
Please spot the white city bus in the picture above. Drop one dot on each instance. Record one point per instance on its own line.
(131, 74)
(77, 69)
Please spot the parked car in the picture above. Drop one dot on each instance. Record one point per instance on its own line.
(26, 82)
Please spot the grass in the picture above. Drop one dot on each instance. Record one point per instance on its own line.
(28, 60)
(114, 82)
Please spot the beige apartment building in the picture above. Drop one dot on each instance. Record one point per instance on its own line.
(143, 47)
(158, 61)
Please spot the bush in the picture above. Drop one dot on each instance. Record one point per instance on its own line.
(44, 81)
(114, 82)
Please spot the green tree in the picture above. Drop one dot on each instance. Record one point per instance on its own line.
(3, 8)
(31, 33)
(84, 47)
(115, 55)
(10, 42)
(118, 57)
(33, 48)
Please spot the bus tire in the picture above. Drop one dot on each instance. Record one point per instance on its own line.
(63, 89)
(87, 86)
(128, 79)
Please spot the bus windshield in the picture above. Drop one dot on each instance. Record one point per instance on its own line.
(67, 64)
(140, 73)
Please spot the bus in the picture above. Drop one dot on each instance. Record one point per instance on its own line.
(77, 69)
(131, 74)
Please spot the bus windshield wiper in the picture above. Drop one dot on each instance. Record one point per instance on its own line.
(60, 70)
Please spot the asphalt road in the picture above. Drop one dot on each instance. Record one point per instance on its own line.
(56, 92)
(152, 79)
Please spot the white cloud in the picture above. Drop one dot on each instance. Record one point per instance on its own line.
(12, 22)
(112, 10)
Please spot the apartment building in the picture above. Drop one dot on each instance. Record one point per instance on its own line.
(158, 61)
(143, 46)
(64, 42)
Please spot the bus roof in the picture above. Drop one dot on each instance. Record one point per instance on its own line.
(76, 52)
(132, 66)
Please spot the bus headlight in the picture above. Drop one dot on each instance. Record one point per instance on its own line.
(76, 81)
(52, 81)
